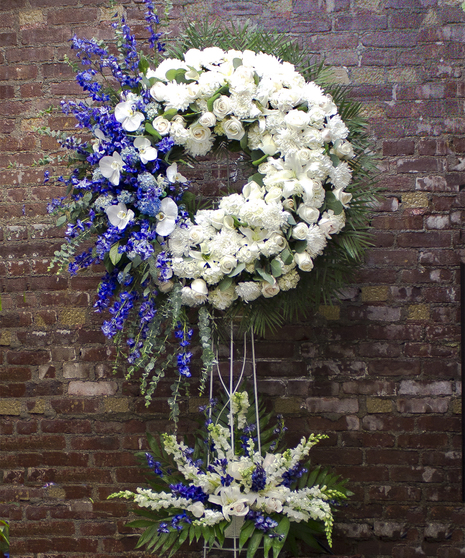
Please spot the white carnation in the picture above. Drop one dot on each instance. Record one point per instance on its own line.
(248, 290)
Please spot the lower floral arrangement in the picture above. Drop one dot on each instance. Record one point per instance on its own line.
(237, 483)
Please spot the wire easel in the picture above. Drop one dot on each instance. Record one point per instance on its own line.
(230, 386)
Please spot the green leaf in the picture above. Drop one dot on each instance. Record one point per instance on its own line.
(151, 130)
(246, 531)
(61, 221)
(276, 268)
(171, 74)
(143, 64)
(115, 256)
(170, 114)
(225, 283)
(300, 246)
(211, 100)
(244, 141)
(254, 543)
(267, 544)
(237, 62)
(258, 178)
(287, 256)
(291, 220)
(266, 276)
(239, 267)
(335, 159)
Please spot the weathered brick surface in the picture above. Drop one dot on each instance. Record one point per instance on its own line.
(379, 373)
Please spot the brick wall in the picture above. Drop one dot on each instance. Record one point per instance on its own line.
(379, 372)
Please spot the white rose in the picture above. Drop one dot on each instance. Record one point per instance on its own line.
(197, 509)
(221, 107)
(269, 290)
(296, 119)
(233, 128)
(289, 204)
(344, 150)
(157, 91)
(208, 119)
(227, 264)
(217, 218)
(304, 156)
(161, 125)
(279, 240)
(196, 234)
(303, 261)
(165, 286)
(308, 213)
(199, 133)
(272, 505)
(300, 231)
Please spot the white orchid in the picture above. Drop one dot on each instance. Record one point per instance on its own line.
(146, 151)
(173, 175)
(166, 217)
(111, 167)
(119, 215)
(128, 116)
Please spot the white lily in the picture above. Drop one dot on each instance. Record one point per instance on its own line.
(146, 151)
(232, 501)
(111, 167)
(130, 118)
(167, 217)
(119, 215)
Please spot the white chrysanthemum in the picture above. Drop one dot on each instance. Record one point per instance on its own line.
(289, 141)
(338, 129)
(212, 274)
(243, 106)
(316, 241)
(179, 242)
(248, 290)
(313, 94)
(319, 167)
(341, 175)
(188, 269)
(178, 96)
(231, 205)
(289, 280)
(313, 139)
(254, 137)
(225, 243)
(209, 82)
(222, 299)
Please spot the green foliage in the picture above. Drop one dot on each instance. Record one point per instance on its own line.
(4, 536)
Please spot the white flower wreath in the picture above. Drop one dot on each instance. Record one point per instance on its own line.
(257, 241)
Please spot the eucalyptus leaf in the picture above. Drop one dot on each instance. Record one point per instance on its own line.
(300, 245)
(276, 268)
(264, 275)
(238, 269)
